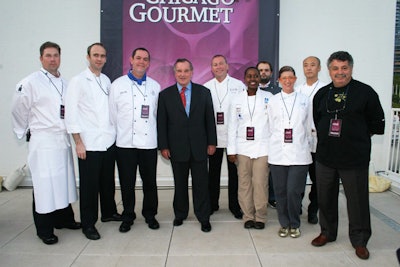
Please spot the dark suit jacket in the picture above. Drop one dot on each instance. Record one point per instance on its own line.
(272, 88)
(186, 136)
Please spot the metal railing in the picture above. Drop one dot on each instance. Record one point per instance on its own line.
(394, 151)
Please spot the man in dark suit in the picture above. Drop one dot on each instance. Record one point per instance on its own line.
(186, 135)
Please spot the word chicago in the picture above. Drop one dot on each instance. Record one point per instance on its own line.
(209, 11)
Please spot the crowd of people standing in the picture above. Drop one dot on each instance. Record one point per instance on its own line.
(273, 136)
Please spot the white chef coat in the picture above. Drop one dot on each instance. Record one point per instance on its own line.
(87, 111)
(310, 91)
(36, 105)
(249, 111)
(298, 107)
(222, 94)
(127, 99)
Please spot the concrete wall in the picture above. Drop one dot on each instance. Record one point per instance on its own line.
(365, 28)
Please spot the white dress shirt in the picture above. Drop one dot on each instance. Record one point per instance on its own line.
(127, 100)
(87, 111)
(290, 111)
(249, 111)
(222, 94)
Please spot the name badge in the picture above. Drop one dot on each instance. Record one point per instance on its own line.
(335, 127)
(145, 112)
(220, 118)
(288, 136)
(249, 133)
(62, 111)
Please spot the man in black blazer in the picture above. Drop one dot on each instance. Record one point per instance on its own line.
(186, 135)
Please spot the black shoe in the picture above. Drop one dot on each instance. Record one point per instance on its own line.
(153, 223)
(206, 227)
(312, 219)
(91, 233)
(115, 217)
(71, 225)
(125, 227)
(272, 204)
(259, 225)
(238, 215)
(177, 222)
(49, 240)
(249, 224)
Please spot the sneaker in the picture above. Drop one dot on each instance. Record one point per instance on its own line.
(283, 232)
(295, 232)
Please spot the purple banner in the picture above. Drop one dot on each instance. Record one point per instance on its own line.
(194, 29)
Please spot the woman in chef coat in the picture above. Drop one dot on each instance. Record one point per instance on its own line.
(290, 127)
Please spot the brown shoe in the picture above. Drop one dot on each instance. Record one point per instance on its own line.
(362, 253)
(320, 241)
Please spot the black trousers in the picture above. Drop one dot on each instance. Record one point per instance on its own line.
(355, 184)
(313, 195)
(214, 176)
(97, 177)
(45, 222)
(128, 159)
(201, 197)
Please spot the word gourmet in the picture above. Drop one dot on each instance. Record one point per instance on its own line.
(209, 11)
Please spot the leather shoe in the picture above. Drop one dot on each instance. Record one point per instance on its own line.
(153, 223)
(259, 225)
(320, 241)
(49, 240)
(205, 227)
(125, 227)
(71, 225)
(91, 233)
(312, 218)
(272, 204)
(362, 253)
(115, 217)
(249, 224)
(238, 215)
(178, 222)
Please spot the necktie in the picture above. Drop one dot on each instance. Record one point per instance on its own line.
(183, 97)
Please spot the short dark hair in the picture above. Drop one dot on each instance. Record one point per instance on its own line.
(142, 49)
(47, 45)
(341, 56)
(90, 47)
(251, 68)
(182, 60)
(226, 61)
(265, 62)
(286, 68)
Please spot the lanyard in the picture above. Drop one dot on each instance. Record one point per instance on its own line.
(254, 107)
(100, 85)
(343, 97)
(62, 85)
(287, 111)
(145, 90)
(226, 93)
(312, 89)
